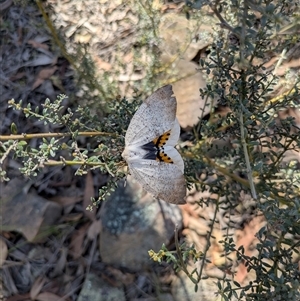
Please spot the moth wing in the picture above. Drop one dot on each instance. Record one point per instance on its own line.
(153, 118)
(175, 133)
(164, 181)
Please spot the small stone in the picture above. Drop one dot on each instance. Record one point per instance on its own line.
(134, 223)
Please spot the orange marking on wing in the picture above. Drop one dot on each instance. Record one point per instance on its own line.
(162, 140)
(163, 157)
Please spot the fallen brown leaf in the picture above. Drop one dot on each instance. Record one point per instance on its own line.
(102, 64)
(3, 251)
(42, 76)
(176, 32)
(241, 273)
(94, 229)
(42, 60)
(36, 287)
(5, 5)
(73, 217)
(20, 35)
(48, 297)
(36, 44)
(76, 244)
(190, 105)
(247, 238)
(88, 194)
(23, 297)
(27, 213)
(119, 276)
(60, 263)
(17, 76)
(66, 200)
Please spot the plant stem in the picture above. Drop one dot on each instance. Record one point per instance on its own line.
(183, 266)
(248, 165)
(70, 162)
(57, 135)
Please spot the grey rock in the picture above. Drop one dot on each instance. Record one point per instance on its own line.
(134, 223)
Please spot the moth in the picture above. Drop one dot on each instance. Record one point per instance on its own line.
(150, 150)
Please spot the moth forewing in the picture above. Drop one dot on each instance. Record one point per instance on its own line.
(153, 118)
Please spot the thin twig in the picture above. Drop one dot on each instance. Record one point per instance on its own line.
(182, 264)
(57, 135)
(223, 24)
(209, 235)
(281, 59)
(248, 165)
(71, 162)
(7, 152)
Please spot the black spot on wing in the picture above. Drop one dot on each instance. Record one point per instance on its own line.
(162, 140)
(163, 157)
